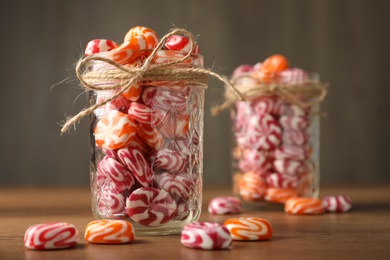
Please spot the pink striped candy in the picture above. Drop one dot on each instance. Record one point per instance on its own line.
(111, 203)
(167, 159)
(253, 160)
(290, 152)
(99, 45)
(338, 203)
(180, 43)
(165, 56)
(292, 76)
(206, 235)
(141, 113)
(165, 99)
(290, 167)
(54, 235)
(117, 173)
(294, 122)
(176, 125)
(178, 185)
(295, 137)
(268, 105)
(150, 206)
(292, 110)
(264, 132)
(242, 69)
(183, 210)
(225, 205)
(150, 136)
(278, 180)
(137, 164)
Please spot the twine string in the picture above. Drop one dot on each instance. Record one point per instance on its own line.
(124, 76)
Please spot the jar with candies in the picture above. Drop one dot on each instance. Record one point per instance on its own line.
(146, 130)
(275, 132)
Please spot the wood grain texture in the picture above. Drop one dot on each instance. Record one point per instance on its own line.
(363, 233)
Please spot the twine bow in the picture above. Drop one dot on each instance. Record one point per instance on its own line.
(126, 75)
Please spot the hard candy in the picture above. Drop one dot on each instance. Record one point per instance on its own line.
(225, 205)
(249, 228)
(180, 43)
(337, 203)
(99, 45)
(302, 206)
(279, 195)
(169, 160)
(117, 173)
(179, 185)
(251, 186)
(278, 180)
(109, 232)
(150, 35)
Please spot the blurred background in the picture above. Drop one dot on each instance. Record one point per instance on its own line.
(346, 41)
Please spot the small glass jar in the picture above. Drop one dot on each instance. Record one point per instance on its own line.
(147, 150)
(276, 140)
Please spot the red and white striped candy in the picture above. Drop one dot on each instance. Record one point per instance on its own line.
(278, 180)
(253, 160)
(166, 56)
(206, 235)
(111, 203)
(180, 43)
(139, 145)
(182, 211)
(120, 103)
(290, 152)
(54, 235)
(178, 185)
(294, 122)
(150, 206)
(293, 76)
(150, 136)
(170, 160)
(141, 113)
(176, 125)
(264, 132)
(225, 205)
(137, 164)
(106, 231)
(290, 167)
(165, 99)
(117, 173)
(295, 137)
(292, 110)
(249, 228)
(268, 105)
(99, 45)
(338, 203)
(151, 37)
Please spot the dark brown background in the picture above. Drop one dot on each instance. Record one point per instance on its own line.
(345, 41)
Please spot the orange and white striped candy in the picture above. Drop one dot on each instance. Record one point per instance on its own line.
(279, 195)
(114, 130)
(128, 51)
(271, 67)
(150, 136)
(150, 35)
(302, 206)
(133, 93)
(249, 228)
(165, 56)
(251, 186)
(109, 232)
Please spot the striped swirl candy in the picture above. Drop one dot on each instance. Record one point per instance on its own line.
(251, 186)
(205, 235)
(54, 235)
(294, 122)
(278, 180)
(169, 160)
(180, 43)
(337, 203)
(291, 167)
(129, 51)
(109, 232)
(111, 203)
(225, 205)
(290, 152)
(151, 207)
(295, 137)
(302, 206)
(280, 195)
(254, 160)
(150, 136)
(114, 130)
(99, 45)
(150, 35)
(249, 228)
(141, 113)
(117, 173)
(179, 185)
(137, 163)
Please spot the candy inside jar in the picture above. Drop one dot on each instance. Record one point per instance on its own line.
(147, 141)
(275, 132)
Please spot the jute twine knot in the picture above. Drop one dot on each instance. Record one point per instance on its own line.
(125, 75)
(304, 95)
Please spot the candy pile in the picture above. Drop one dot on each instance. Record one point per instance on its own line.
(309, 206)
(273, 153)
(148, 140)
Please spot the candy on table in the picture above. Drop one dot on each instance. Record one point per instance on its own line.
(149, 34)
(278, 180)
(271, 67)
(150, 206)
(291, 167)
(150, 136)
(225, 205)
(55, 235)
(302, 206)
(99, 45)
(280, 195)
(251, 186)
(180, 43)
(249, 228)
(179, 185)
(292, 76)
(167, 159)
(114, 130)
(295, 137)
(290, 152)
(294, 122)
(337, 203)
(206, 235)
(111, 202)
(136, 162)
(109, 232)
(117, 173)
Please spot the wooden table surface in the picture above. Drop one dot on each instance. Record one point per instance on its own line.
(363, 233)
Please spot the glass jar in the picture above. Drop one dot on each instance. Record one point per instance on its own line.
(276, 140)
(147, 150)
